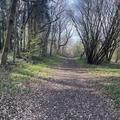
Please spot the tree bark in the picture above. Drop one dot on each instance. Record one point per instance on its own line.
(10, 28)
(0, 39)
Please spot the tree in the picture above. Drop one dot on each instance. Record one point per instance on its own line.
(10, 29)
(32, 27)
(64, 33)
(3, 12)
(98, 25)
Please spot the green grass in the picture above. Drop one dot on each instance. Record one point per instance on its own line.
(39, 68)
(100, 70)
(107, 76)
(52, 60)
(112, 86)
(25, 72)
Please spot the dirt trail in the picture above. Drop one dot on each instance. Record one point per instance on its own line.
(68, 95)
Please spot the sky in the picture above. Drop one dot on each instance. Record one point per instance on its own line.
(75, 36)
(71, 1)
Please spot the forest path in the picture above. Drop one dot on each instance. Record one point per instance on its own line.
(67, 95)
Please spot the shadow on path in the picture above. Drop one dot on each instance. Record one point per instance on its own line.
(68, 95)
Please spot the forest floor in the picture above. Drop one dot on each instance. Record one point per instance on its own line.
(67, 90)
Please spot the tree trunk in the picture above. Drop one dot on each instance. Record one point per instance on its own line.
(10, 28)
(0, 39)
(18, 49)
(45, 42)
(51, 47)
